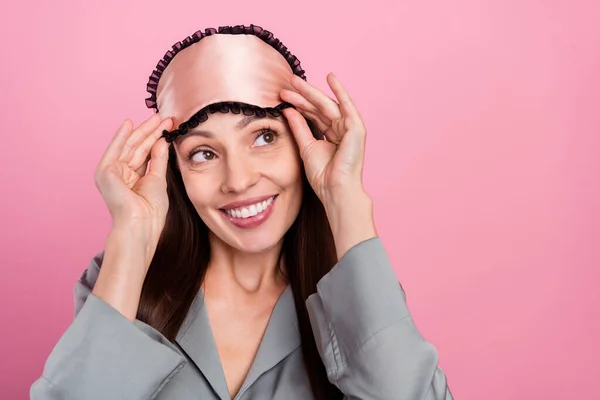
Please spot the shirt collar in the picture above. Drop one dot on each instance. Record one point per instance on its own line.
(281, 338)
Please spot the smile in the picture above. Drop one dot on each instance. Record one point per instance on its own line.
(250, 216)
(250, 211)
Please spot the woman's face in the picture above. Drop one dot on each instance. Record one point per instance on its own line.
(243, 175)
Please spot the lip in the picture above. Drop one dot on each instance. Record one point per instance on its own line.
(251, 222)
(246, 202)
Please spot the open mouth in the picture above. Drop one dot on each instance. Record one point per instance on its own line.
(251, 210)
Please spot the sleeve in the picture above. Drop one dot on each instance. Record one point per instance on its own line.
(365, 334)
(103, 355)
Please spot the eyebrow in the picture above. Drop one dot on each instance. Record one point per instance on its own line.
(239, 126)
(251, 118)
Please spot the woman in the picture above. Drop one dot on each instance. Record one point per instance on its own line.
(243, 260)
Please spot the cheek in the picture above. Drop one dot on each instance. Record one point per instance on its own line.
(286, 169)
(199, 188)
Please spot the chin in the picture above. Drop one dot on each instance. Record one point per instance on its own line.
(256, 245)
(258, 241)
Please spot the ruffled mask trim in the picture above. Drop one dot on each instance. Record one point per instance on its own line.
(224, 107)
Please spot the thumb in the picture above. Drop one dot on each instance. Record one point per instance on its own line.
(300, 130)
(159, 158)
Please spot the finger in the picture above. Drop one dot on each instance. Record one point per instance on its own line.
(300, 102)
(346, 104)
(300, 129)
(115, 147)
(328, 131)
(141, 171)
(328, 107)
(142, 152)
(306, 108)
(159, 158)
(138, 136)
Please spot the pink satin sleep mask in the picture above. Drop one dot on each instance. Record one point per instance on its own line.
(232, 69)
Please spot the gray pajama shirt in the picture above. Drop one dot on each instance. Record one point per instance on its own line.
(364, 332)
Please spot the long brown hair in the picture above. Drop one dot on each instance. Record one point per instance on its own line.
(183, 253)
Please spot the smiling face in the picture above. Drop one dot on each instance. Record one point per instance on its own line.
(243, 175)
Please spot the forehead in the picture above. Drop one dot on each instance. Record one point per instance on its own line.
(236, 121)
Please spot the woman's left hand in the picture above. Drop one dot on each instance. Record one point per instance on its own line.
(334, 166)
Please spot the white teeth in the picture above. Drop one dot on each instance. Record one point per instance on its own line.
(245, 212)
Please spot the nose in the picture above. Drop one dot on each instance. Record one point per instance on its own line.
(239, 174)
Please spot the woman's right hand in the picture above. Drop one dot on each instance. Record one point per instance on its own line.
(136, 196)
(135, 193)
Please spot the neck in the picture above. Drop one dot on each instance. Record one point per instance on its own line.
(236, 274)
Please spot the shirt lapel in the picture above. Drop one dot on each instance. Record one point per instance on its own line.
(281, 338)
(196, 338)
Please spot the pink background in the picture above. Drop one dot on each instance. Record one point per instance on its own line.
(483, 162)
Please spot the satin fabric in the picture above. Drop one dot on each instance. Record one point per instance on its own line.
(240, 68)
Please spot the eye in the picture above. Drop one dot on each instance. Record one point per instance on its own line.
(266, 137)
(200, 155)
